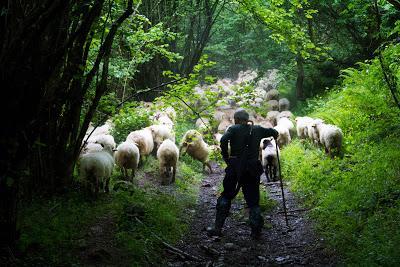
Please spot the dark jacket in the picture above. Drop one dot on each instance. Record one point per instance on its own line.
(236, 136)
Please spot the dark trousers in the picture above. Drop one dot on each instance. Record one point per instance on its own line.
(247, 176)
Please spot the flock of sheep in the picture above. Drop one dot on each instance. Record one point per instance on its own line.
(100, 152)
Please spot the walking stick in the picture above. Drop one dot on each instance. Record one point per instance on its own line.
(281, 183)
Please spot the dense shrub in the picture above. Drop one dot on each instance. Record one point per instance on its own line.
(130, 118)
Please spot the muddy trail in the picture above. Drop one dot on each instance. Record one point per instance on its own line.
(297, 245)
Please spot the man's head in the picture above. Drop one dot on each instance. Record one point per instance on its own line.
(241, 116)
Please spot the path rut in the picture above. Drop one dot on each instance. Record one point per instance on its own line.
(297, 246)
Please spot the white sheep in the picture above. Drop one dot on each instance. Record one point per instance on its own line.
(273, 105)
(265, 124)
(224, 125)
(96, 169)
(217, 137)
(283, 121)
(202, 124)
(105, 129)
(313, 132)
(91, 147)
(163, 119)
(284, 104)
(168, 156)
(269, 158)
(284, 135)
(143, 139)
(104, 139)
(331, 138)
(301, 126)
(161, 133)
(272, 95)
(194, 145)
(286, 113)
(272, 117)
(127, 157)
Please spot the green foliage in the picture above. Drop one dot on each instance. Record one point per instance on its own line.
(355, 199)
(130, 118)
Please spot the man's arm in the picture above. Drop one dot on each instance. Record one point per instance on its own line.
(267, 132)
(224, 143)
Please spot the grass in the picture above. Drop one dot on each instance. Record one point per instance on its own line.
(54, 229)
(355, 200)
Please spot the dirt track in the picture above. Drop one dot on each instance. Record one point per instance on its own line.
(296, 246)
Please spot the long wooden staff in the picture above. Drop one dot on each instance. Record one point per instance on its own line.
(281, 183)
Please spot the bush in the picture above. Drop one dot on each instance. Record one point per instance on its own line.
(130, 118)
(355, 200)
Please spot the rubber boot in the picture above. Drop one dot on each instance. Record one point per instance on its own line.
(223, 207)
(256, 222)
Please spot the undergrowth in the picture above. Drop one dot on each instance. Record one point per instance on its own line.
(355, 200)
(56, 230)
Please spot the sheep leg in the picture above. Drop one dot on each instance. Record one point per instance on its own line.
(209, 166)
(96, 187)
(266, 174)
(125, 173)
(107, 187)
(173, 173)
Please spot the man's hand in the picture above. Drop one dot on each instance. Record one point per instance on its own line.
(275, 133)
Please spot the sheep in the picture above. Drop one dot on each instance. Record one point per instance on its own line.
(127, 157)
(269, 158)
(313, 132)
(272, 117)
(171, 113)
(288, 124)
(284, 104)
(301, 126)
(163, 119)
(161, 133)
(194, 145)
(96, 169)
(224, 125)
(144, 141)
(202, 124)
(91, 147)
(272, 95)
(273, 105)
(331, 138)
(104, 139)
(266, 124)
(104, 129)
(168, 156)
(286, 113)
(284, 135)
(217, 137)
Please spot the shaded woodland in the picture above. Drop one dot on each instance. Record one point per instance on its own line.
(65, 65)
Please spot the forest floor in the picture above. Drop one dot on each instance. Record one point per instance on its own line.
(294, 246)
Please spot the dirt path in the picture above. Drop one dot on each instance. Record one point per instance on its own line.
(279, 246)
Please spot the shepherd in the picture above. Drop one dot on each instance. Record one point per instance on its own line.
(243, 171)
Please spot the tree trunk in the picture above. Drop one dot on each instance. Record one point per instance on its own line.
(300, 77)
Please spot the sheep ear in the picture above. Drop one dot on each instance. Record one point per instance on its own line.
(265, 144)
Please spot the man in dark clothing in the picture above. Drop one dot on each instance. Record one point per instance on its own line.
(243, 170)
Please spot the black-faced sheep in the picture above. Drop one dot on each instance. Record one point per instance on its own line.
(284, 104)
(269, 158)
